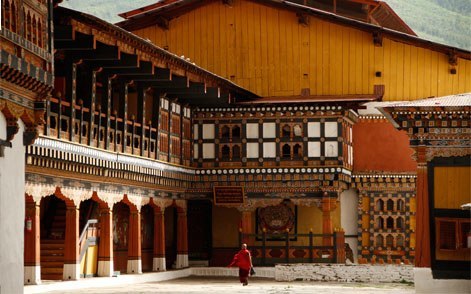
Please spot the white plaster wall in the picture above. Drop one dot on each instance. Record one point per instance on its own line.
(349, 218)
(12, 212)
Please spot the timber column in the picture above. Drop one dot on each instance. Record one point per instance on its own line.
(422, 246)
(134, 243)
(158, 263)
(247, 226)
(105, 249)
(182, 237)
(71, 250)
(327, 205)
(32, 271)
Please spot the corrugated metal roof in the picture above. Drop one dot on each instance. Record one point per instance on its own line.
(458, 100)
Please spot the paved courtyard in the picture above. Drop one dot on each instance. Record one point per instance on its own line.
(228, 285)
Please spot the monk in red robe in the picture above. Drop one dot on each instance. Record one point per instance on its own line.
(243, 260)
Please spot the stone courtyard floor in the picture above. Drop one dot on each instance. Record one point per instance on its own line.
(227, 285)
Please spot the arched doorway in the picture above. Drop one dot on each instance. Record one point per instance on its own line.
(147, 237)
(52, 232)
(121, 213)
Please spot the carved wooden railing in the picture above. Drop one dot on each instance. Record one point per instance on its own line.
(88, 237)
(280, 248)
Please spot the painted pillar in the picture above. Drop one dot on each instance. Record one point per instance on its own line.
(182, 239)
(422, 246)
(327, 205)
(32, 244)
(134, 243)
(159, 240)
(71, 250)
(105, 248)
(247, 227)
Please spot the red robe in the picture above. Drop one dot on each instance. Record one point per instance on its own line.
(242, 260)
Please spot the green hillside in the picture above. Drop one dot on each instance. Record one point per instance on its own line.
(443, 21)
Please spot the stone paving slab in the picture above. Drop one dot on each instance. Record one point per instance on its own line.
(228, 285)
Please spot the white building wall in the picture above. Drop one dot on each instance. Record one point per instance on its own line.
(12, 211)
(349, 218)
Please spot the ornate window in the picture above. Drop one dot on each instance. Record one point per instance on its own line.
(286, 151)
(286, 131)
(400, 205)
(34, 30)
(13, 17)
(297, 151)
(40, 34)
(390, 205)
(6, 14)
(379, 205)
(399, 223)
(236, 152)
(379, 240)
(236, 132)
(389, 240)
(400, 240)
(390, 223)
(379, 223)
(298, 131)
(225, 132)
(225, 152)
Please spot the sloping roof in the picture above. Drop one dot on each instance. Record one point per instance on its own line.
(458, 100)
(169, 9)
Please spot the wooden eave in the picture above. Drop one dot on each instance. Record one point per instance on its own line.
(100, 43)
(313, 99)
(176, 8)
(385, 16)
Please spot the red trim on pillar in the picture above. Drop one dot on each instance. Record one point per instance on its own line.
(422, 246)
(71, 250)
(32, 237)
(182, 232)
(105, 249)
(134, 242)
(159, 233)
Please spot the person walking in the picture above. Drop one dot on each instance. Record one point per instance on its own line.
(243, 260)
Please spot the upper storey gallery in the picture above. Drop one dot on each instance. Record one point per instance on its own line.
(280, 48)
